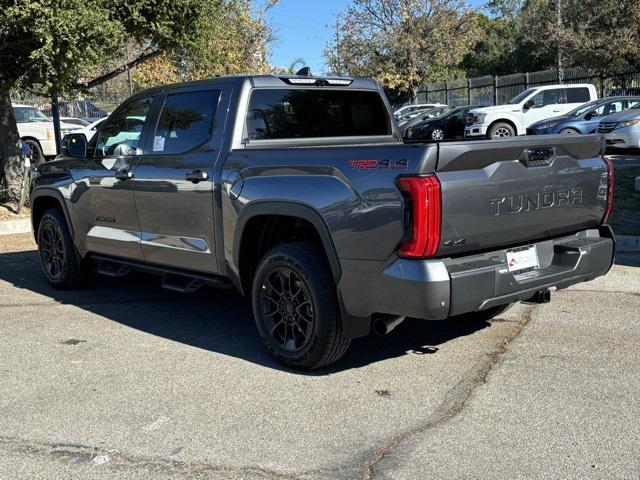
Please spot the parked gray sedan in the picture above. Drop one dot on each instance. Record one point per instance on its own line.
(622, 129)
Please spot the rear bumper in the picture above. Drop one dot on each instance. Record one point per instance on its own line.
(437, 289)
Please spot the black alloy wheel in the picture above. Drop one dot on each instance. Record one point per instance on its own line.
(287, 309)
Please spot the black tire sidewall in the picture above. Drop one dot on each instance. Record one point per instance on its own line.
(70, 270)
(318, 283)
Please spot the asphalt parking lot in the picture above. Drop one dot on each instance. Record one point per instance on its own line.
(123, 380)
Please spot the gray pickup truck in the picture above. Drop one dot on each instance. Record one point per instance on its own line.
(298, 192)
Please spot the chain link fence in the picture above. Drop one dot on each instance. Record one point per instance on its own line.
(493, 90)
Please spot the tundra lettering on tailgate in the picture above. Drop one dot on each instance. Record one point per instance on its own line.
(513, 204)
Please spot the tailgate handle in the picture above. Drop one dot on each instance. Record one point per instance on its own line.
(538, 157)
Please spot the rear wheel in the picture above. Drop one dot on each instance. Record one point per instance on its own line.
(60, 266)
(569, 131)
(501, 130)
(296, 308)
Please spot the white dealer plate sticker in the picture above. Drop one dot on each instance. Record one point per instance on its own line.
(522, 259)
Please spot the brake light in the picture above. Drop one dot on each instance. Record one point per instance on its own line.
(424, 216)
(607, 213)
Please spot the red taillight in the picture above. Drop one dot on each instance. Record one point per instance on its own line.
(424, 215)
(607, 213)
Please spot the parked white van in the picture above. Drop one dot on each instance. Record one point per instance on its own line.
(532, 105)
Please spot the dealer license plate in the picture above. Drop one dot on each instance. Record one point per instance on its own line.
(522, 259)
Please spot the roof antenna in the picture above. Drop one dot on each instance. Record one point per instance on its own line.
(304, 72)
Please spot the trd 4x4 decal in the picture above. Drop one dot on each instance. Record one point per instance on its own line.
(379, 164)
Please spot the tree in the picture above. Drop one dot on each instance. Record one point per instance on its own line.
(594, 34)
(402, 43)
(52, 47)
(236, 41)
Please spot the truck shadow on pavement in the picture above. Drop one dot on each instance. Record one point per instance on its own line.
(215, 320)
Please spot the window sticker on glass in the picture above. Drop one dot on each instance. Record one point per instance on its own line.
(158, 144)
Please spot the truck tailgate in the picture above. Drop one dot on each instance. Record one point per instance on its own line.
(515, 191)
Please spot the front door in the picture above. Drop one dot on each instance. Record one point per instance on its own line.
(543, 105)
(174, 189)
(103, 199)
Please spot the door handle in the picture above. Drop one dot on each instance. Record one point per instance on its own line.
(124, 174)
(196, 176)
(556, 110)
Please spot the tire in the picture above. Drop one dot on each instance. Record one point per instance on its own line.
(38, 157)
(295, 306)
(437, 135)
(501, 130)
(60, 265)
(569, 131)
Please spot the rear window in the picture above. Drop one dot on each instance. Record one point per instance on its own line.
(578, 95)
(186, 121)
(297, 113)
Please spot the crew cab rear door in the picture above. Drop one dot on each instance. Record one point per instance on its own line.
(515, 191)
(173, 181)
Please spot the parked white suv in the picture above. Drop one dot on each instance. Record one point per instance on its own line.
(532, 105)
(36, 130)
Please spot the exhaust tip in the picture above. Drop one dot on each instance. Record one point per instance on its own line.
(383, 325)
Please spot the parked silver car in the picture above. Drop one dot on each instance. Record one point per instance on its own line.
(622, 129)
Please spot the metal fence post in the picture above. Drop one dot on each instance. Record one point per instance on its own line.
(446, 93)
(526, 80)
(468, 92)
(495, 90)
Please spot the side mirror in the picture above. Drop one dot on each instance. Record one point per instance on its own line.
(527, 105)
(590, 115)
(75, 145)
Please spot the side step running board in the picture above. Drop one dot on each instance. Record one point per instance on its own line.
(172, 278)
(180, 283)
(113, 269)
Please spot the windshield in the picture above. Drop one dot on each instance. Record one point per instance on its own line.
(29, 114)
(435, 112)
(583, 108)
(521, 97)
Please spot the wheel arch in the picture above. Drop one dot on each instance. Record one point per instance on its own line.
(42, 200)
(506, 120)
(253, 220)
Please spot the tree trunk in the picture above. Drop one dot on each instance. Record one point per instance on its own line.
(10, 161)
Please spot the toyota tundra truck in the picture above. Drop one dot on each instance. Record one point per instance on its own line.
(299, 192)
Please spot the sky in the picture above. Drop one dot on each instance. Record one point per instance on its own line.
(302, 28)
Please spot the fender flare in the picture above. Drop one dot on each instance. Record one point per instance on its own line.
(291, 209)
(57, 196)
(506, 118)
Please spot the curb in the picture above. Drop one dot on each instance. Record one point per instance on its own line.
(627, 243)
(12, 227)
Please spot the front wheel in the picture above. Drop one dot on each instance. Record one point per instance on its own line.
(569, 131)
(60, 265)
(437, 135)
(501, 130)
(296, 308)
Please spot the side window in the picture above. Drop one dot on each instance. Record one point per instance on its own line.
(548, 97)
(632, 103)
(578, 95)
(609, 108)
(186, 121)
(120, 133)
